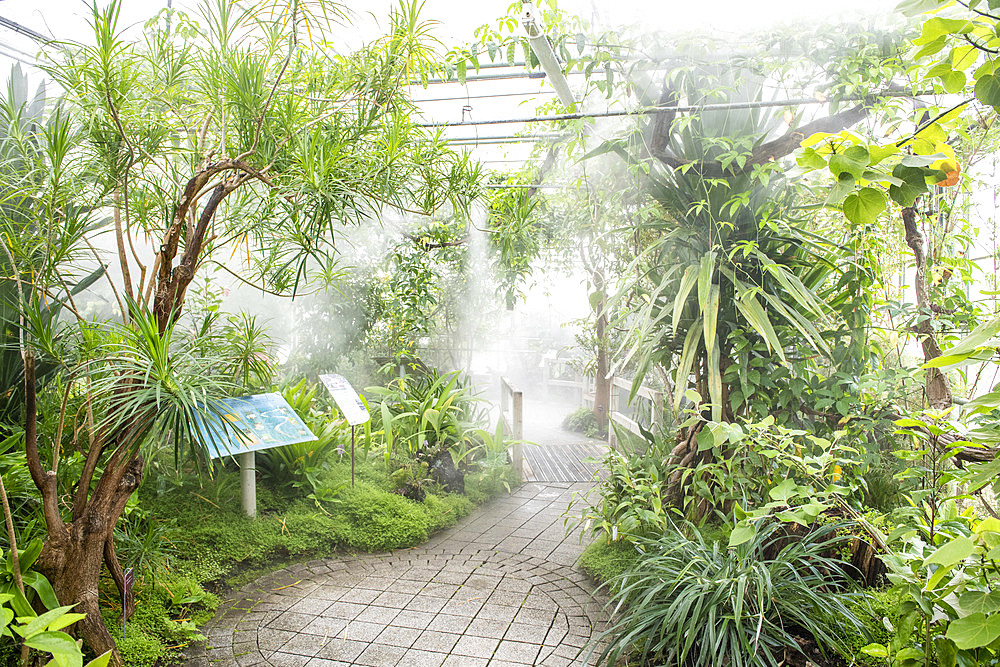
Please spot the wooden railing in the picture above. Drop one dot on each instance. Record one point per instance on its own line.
(645, 398)
(512, 418)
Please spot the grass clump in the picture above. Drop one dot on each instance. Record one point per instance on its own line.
(604, 561)
(686, 601)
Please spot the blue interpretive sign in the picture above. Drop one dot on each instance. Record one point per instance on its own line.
(252, 423)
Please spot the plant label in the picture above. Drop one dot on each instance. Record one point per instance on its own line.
(346, 398)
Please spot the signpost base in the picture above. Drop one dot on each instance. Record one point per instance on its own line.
(248, 483)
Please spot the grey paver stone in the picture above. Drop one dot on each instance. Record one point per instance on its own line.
(449, 623)
(418, 658)
(396, 636)
(413, 619)
(522, 652)
(380, 655)
(345, 650)
(479, 647)
(433, 640)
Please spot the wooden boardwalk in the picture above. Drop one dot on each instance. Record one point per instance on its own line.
(569, 462)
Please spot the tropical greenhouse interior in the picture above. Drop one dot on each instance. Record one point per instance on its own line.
(422, 333)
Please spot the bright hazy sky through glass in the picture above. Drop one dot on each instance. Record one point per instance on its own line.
(67, 20)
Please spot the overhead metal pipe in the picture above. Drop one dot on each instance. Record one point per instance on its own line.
(540, 46)
(723, 106)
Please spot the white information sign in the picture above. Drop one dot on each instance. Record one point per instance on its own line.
(346, 398)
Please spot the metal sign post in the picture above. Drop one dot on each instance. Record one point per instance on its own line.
(126, 590)
(349, 403)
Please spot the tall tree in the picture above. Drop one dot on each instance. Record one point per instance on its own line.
(243, 133)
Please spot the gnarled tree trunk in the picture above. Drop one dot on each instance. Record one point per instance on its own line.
(938, 390)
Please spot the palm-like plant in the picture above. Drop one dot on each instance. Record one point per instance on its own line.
(725, 254)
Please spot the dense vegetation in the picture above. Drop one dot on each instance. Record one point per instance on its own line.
(789, 243)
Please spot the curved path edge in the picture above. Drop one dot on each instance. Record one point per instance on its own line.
(499, 589)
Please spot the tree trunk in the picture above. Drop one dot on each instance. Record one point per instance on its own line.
(938, 390)
(72, 559)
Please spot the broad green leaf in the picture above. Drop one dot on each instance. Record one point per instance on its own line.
(793, 286)
(953, 81)
(34, 624)
(982, 602)
(844, 186)
(687, 282)
(27, 555)
(65, 620)
(751, 309)
(804, 326)
(810, 159)
(988, 525)
(980, 335)
(987, 89)
(864, 206)
(853, 161)
(879, 153)
(951, 552)
(914, 184)
(705, 278)
(974, 631)
(710, 317)
(784, 491)
(706, 439)
(37, 582)
(949, 362)
(688, 353)
(946, 652)
(65, 652)
(715, 383)
(937, 27)
(963, 57)
(100, 661)
(875, 650)
(743, 532)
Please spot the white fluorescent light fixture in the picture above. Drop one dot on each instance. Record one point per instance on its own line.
(543, 51)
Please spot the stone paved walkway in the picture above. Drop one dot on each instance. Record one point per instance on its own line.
(498, 589)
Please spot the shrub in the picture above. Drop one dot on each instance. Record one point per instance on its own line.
(582, 420)
(380, 521)
(693, 603)
(605, 561)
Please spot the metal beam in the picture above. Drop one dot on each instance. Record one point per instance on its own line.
(17, 27)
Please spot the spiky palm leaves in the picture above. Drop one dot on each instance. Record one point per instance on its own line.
(724, 255)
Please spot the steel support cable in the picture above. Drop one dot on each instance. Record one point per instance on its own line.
(725, 106)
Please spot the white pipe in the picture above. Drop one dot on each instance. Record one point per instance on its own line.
(546, 56)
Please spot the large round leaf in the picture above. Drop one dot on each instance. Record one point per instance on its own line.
(864, 206)
(988, 89)
(974, 631)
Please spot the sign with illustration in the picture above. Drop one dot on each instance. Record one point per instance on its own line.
(346, 398)
(252, 423)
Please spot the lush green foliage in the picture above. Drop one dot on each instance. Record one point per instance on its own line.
(691, 602)
(584, 421)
